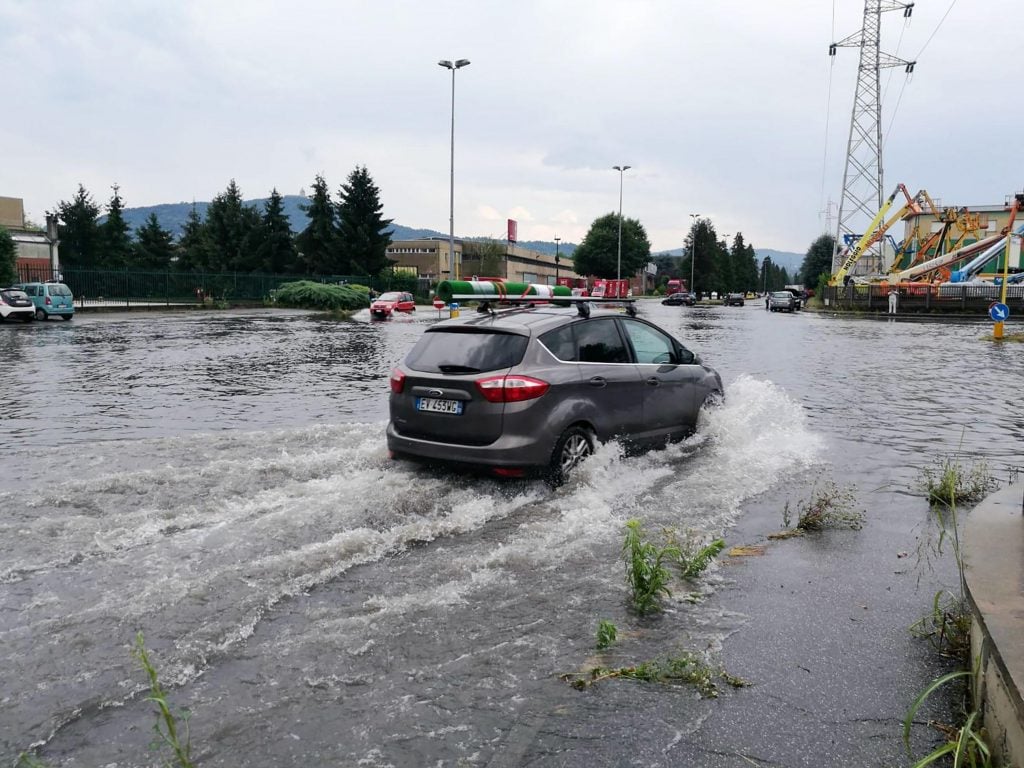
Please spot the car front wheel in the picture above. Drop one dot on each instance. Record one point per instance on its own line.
(575, 444)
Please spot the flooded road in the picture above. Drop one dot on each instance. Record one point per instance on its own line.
(219, 482)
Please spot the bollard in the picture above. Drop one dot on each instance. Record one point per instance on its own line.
(453, 309)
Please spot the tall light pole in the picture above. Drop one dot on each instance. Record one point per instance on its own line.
(693, 247)
(622, 170)
(556, 259)
(459, 64)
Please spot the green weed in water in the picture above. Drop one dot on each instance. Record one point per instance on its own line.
(646, 573)
(166, 726)
(683, 669)
(950, 482)
(606, 634)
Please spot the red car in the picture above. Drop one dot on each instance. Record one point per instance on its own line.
(393, 301)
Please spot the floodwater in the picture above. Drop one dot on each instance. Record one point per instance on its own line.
(220, 483)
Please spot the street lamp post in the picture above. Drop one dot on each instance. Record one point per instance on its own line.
(556, 259)
(459, 64)
(693, 248)
(618, 268)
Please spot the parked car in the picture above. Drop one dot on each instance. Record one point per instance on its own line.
(799, 295)
(531, 391)
(393, 301)
(679, 299)
(50, 298)
(782, 301)
(16, 305)
(734, 300)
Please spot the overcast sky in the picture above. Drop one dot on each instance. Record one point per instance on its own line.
(722, 108)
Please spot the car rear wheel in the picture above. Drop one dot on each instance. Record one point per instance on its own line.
(575, 444)
(28, 318)
(40, 314)
(66, 317)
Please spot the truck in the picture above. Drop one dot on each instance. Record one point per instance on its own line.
(611, 289)
(675, 285)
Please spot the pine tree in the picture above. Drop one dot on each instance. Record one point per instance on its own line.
(114, 234)
(318, 242)
(79, 233)
(154, 245)
(228, 223)
(194, 251)
(818, 261)
(363, 233)
(276, 252)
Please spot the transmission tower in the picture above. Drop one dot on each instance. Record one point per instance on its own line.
(862, 177)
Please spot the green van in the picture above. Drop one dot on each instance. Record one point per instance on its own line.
(50, 298)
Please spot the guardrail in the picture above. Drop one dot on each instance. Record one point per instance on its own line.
(956, 298)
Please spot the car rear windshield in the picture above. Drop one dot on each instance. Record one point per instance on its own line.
(59, 289)
(461, 351)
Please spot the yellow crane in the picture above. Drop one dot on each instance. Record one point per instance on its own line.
(875, 230)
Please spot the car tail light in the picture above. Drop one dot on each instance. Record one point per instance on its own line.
(511, 389)
(397, 381)
(48, 300)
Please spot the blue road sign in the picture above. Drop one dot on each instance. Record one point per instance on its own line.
(998, 311)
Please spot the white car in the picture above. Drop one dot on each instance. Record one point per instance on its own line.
(16, 305)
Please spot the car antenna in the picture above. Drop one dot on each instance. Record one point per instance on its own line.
(583, 308)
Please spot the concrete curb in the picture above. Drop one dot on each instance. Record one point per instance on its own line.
(994, 571)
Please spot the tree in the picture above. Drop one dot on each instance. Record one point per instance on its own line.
(818, 260)
(8, 258)
(79, 232)
(703, 249)
(318, 242)
(363, 234)
(194, 250)
(229, 223)
(154, 245)
(275, 249)
(114, 235)
(598, 254)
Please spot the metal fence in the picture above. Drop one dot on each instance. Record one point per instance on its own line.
(958, 298)
(140, 287)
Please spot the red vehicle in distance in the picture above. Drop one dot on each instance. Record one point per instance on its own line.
(393, 301)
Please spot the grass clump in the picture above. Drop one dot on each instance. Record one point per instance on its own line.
(305, 294)
(646, 571)
(647, 564)
(950, 483)
(830, 506)
(606, 634)
(966, 744)
(683, 669)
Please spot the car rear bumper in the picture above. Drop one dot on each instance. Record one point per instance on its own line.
(522, 451)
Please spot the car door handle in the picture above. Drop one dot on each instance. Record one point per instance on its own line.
(654, 381)
(598, 381)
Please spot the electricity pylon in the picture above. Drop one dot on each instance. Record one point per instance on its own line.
(862, 177)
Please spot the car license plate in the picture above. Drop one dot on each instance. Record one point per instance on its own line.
(434, 405)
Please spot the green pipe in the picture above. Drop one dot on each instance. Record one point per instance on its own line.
(486, 289)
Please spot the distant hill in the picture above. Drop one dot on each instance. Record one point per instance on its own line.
(173, 216)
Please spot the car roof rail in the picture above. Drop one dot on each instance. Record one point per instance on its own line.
(583, 303)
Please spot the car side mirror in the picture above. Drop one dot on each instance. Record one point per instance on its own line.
(685, 356)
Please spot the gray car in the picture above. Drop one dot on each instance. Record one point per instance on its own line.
(782, 301)
(530, 390)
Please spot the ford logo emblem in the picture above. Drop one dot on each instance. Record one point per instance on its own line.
(436, 392)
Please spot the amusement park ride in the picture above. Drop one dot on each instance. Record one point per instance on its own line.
(927, 263)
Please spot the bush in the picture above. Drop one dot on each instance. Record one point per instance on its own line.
(306, 294)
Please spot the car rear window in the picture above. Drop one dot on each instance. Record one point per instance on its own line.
(460, 351)
(59, 290)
